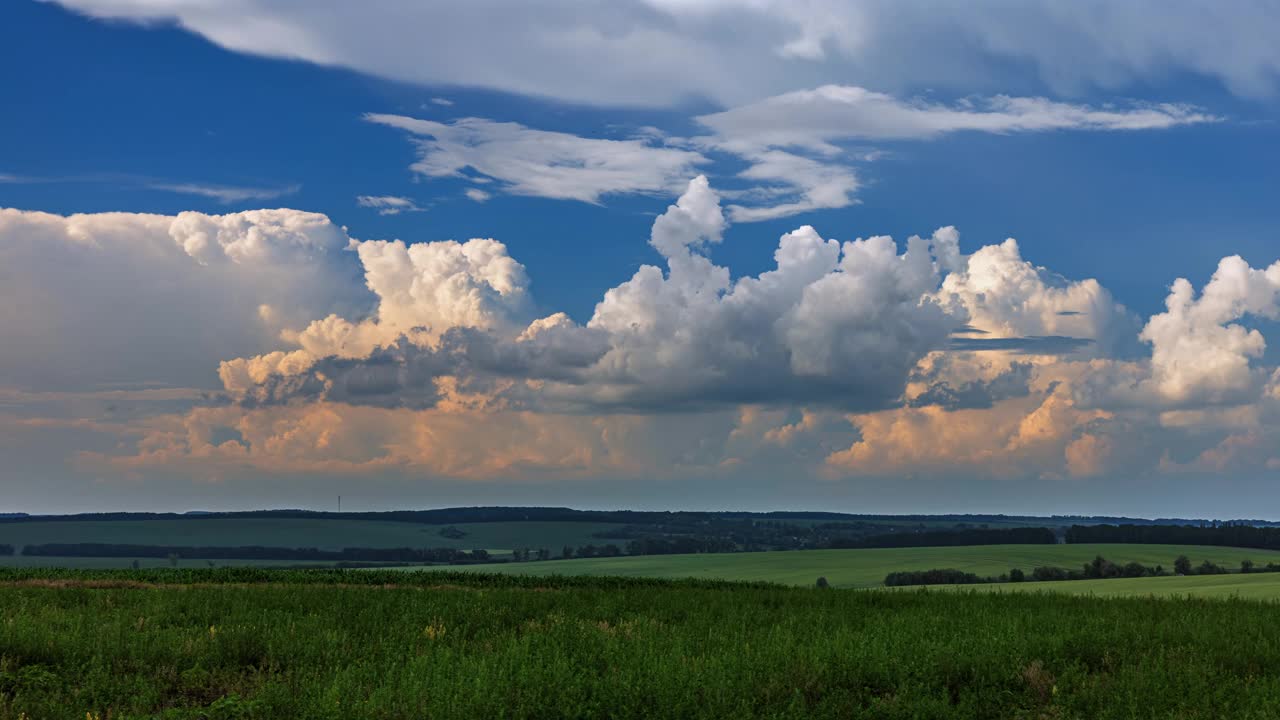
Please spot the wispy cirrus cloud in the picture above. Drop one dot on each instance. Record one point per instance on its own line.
(796, 146)
(388, 204)
(543, 163)
(226, 194)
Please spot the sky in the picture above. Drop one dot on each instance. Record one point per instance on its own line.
(858, 256)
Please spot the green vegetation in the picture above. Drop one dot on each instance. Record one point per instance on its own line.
(332, 644)
(868, 567)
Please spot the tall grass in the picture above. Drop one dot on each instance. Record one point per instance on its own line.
(232, 643)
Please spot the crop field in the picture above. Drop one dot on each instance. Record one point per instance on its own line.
(867, 568)
(330, 534)
(250, 643)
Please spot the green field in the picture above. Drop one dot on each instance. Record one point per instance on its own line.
(240, 644)
(328, 534)
(867, 568)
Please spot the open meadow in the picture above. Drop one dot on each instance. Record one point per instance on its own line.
(863, 568)
(235, 643)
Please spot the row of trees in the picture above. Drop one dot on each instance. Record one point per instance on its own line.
(1097, 569)
(1230, 535)
(6, 549)
(951, 538)
(938, 576)
(257, 552)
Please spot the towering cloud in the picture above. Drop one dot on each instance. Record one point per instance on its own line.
(123, 297)
(861, 358)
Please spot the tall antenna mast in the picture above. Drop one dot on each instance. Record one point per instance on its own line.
(339, 503)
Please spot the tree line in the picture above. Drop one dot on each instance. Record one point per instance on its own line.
(949, 538)
(1097, 569)
(6, 549)
(257, 552)
(1229, 535)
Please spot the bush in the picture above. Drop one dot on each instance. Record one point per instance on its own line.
(943, 576)
(1016, 575)
(822, 583)
(1209, 568)
(1046, 573)
(1135, 570)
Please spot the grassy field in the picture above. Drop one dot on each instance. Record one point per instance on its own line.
(305, 532)
(255, 644)
(867, 568)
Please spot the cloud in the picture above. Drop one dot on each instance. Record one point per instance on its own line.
(226, 194)
(832, 324)
(1019, 306)
(793, 146)
(1199, 352)
(117, 297)
(388, 204)
(814, 119)
(443, 102)
(662, 52)
(542, 163)
(795, 143)
(866, 358)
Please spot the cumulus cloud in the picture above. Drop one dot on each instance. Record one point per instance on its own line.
(1200, 353)
(661, 52)
(542, 163)
(832, 324)
(842, 359)
(117, 297)
(1007, 298)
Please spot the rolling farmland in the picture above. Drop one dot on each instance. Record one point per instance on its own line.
(867, 568)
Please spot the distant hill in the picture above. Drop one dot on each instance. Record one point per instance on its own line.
(449, 516)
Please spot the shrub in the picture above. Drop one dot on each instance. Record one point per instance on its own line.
(1046, 573)
(822, 583)
(1209, 568)
(937, 576)
(1016, 575)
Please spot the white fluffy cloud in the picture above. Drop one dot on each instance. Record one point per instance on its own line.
(1200, 353)
(658, 52)
(1007, 297)
(856, 358)
(834, 323)
(117, 297)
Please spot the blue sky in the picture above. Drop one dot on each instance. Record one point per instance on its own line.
(1129, 168)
